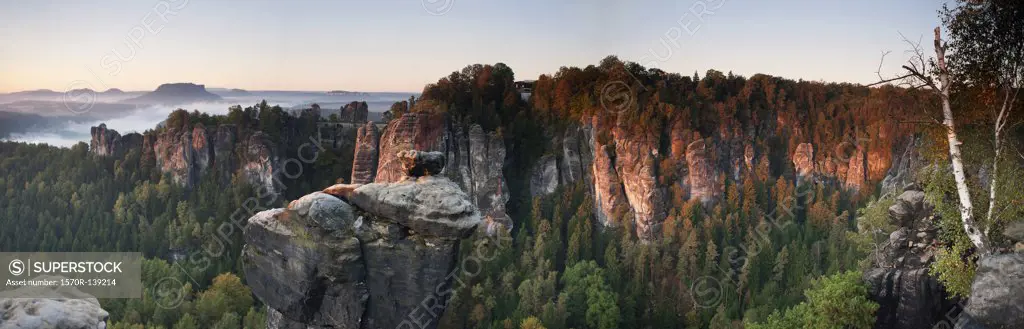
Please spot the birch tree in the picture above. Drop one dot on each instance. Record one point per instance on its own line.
(921, 72)
(987, 52)
(986, 55)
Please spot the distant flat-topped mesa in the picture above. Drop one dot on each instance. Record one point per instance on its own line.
(175, 93)
(323, 262)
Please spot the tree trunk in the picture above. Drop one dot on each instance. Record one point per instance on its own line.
(966, 207)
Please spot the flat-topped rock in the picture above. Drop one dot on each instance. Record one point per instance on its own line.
(432, 206)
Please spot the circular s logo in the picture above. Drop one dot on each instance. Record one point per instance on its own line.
(438, 7)
(17, 267)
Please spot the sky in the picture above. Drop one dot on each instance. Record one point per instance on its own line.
(401, 45)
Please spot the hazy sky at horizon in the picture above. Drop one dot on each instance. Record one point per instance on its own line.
(400, 45)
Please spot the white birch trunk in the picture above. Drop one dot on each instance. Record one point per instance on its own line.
(977, 237)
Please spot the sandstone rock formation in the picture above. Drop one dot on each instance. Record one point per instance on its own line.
(636, 163)
(355, 112)
(224, 140)
(997, 294)
(323, 263)
(364, 164)
(803, 160)
(571, 162)
(259, 161)
(476, 160)
(856, 175)
(413, 131)
(104, 141)
(906, 162)
(576, 156)
(108, 142)
(188, 153)
(703, 174)
(608, 192)
(544, 179)
(907, 295)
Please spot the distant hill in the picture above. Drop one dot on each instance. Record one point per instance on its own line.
(347, 93)
(232, 92)
(175, 93)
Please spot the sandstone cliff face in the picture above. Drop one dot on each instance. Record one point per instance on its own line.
(364, 165)
(476, 160)
(108, 142)
(490, 193)
(856, 175)
(608, 192)
(636, 162)
(906, 162)
(577, 155)
(413, 131)
(371, 262)
(544, 179)
(224, 140)
(259, 162)
(703, 175)
(803, 160)
(104, 141)
(191, 152)
(355, 112)
(174, 154)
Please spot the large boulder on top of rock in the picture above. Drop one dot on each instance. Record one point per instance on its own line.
(429, 205)
(323, 263)
(997, 294)
(420, 163)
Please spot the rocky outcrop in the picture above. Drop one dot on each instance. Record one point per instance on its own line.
(66, 308)
(544, 179)
(413, 131)
(803, 160)
(108, 142)
(608, 193)
(703, 175)
(489, 192)
(856, 174)
(908, 296)
(224, 141)
(202, 149)
(104, 141)
(354, 112)
(571, 161)
(364, 163)
(477, 160)
(174, 154)
(997, 294)
(187, 153)
(636, 163)
(259, 162)
(324, 263)
(906, 162)
(576, 155)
